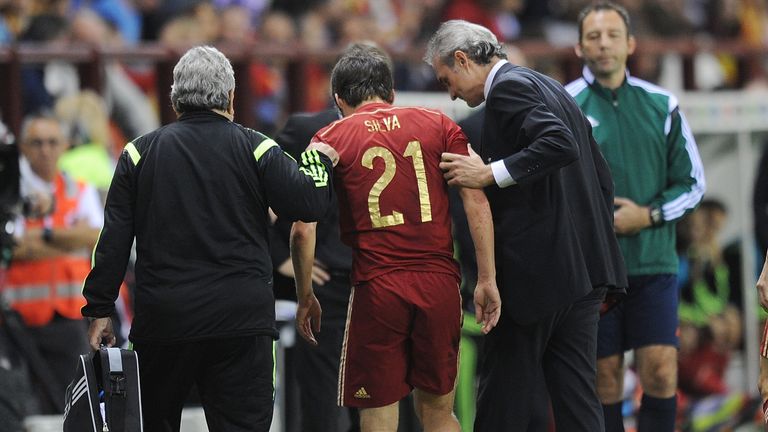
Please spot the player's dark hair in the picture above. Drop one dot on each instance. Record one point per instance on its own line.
(595, 7)
(364, 71)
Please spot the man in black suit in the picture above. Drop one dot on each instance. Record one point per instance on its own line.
(472, 125)
(551, 196)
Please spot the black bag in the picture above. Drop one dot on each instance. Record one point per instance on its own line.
(105, 394)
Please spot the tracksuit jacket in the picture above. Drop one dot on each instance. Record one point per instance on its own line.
(653, 159)
(195, 195)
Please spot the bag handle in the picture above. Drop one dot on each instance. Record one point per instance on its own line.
(113, 382)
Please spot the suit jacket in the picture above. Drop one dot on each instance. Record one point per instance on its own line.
(301, 127)
(554, 228)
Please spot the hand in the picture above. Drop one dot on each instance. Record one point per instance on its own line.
(308, 315)
(100, 330)
(466, 171)
(324, 149)
(39, 204)
(629, 218)
(487, 305)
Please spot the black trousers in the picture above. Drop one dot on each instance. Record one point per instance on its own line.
(234, 378)
(560, 350)
(317, 367)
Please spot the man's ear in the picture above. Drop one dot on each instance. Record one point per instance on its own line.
(460, 58)
(632, 44)
(343, 106)
(231, 106)
(577, 50)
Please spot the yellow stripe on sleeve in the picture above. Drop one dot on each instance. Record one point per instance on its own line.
(263, 147)
(133, 153)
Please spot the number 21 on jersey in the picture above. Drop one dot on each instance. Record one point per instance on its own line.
(413, 151)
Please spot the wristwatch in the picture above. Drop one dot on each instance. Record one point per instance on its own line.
(657, 217)
(47, 234)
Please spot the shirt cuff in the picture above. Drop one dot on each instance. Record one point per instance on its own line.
(501, 175)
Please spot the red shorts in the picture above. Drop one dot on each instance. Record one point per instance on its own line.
(403, 331)
(764, 343)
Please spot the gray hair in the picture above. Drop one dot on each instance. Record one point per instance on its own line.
(202, 79)
(44, 115)
(479, 43)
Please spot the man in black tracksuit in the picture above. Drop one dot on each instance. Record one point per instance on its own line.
(195, 195)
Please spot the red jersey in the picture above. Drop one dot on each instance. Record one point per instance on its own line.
(393, 200)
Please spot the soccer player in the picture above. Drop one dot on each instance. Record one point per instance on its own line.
(404, 317)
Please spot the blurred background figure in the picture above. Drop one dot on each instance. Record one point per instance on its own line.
(52, 255)
(710, 325)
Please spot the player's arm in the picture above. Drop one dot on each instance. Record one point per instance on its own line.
(487, 299)
(308, 311)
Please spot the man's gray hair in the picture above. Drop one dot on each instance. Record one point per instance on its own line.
(202, 79)
(43, 115)
(479, 43)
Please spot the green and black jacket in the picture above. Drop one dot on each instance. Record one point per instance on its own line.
(653, 158)
(195, 195)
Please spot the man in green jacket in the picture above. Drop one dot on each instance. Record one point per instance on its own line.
(659, 178)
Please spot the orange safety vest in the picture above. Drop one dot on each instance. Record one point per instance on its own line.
(37, 289)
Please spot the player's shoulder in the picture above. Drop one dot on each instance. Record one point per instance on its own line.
(335, 127)
(424, 117)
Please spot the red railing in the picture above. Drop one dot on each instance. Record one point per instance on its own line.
(90, 61)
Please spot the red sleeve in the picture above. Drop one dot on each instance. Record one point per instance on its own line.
(455, 139)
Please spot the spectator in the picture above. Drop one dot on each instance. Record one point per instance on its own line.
(128, 106)
(52, 255)
(42, 84)
(236, 28)
(119, 14)
(90, 157)
(711, 323)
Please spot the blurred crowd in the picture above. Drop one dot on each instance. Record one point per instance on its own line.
(319, 26)
(395, 24)
(97, 125)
